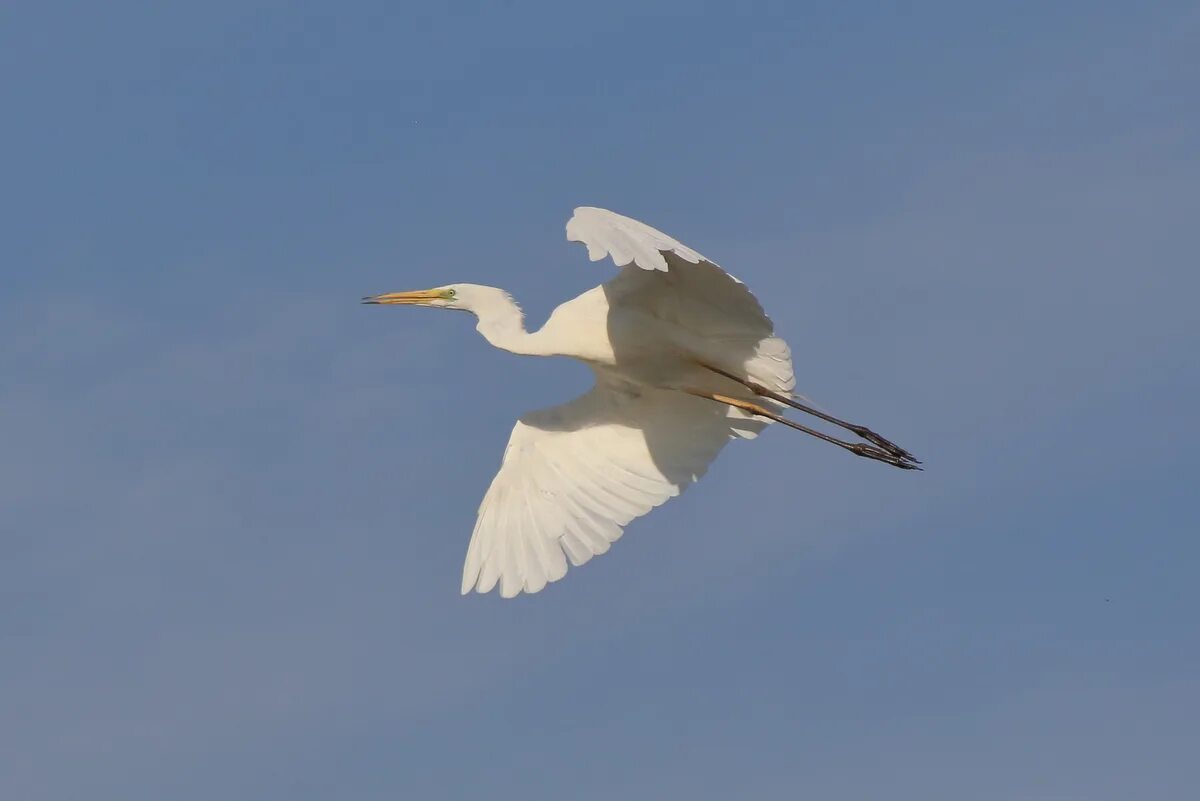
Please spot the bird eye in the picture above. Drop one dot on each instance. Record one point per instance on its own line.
(450, 293)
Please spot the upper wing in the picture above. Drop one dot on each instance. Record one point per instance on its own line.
(678, 285)
(631, 242)
(627, 240)
(574, 475)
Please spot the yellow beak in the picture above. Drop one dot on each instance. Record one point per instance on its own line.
(418, 298)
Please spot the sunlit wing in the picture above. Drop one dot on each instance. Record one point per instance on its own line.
(677, 284)
(573, 476)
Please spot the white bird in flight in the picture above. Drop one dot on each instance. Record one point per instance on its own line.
(685, 361)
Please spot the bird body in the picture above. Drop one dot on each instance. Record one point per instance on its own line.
(685, 360)
(621, 336)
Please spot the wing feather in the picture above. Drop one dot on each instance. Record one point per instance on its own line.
(627, 240)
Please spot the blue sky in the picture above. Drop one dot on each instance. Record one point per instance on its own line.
(234, 503)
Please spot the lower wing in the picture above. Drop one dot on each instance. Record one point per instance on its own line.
(573, 476)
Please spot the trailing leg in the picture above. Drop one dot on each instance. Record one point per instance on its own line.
(857, 448)
(861, 431)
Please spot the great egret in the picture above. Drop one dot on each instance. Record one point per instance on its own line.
(685, 360)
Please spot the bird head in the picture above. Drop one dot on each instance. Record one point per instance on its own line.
(483, 301)
(443, 297)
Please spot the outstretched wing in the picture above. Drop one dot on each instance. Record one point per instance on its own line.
(625, 239)
(574, 475)
(678, 285)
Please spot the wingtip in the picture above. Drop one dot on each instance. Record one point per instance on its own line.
(469, 581)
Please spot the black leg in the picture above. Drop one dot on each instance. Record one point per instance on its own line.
(857, 448)
(861, 431)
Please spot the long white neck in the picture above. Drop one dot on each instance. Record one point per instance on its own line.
(502, 323)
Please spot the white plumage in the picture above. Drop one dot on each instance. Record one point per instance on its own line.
(685, 360)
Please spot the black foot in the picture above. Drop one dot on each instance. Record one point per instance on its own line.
(887, 445)
(881, 455)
